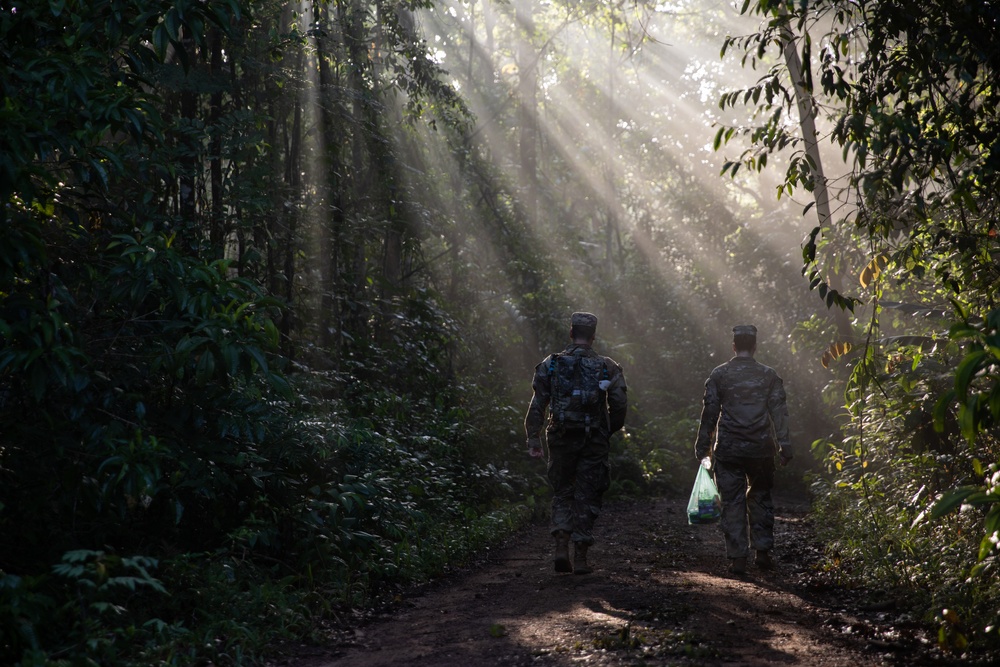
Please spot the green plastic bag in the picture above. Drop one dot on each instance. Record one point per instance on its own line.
(705, 504)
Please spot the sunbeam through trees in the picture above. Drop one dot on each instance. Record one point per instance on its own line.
(274, 277)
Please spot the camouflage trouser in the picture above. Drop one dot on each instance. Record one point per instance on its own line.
(579, 474)
(745, 486)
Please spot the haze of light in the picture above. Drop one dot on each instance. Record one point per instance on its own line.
(631, 109)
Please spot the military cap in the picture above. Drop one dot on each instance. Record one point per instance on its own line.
(745, 330)
(584, 320)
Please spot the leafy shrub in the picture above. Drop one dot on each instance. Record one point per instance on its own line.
(892, 480)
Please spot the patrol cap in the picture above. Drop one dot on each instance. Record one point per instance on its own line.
(584, 320)
(745, 330)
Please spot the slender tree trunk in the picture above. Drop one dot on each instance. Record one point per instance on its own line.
(489, 25)
(294, 179)
(359, 188)
(610, 204)
(264, 234)
(528, 109)
(189, 165)
(330, 211)
(236, 85)
(472, 40)
(821, 194)
(217, 224)
(383, 163)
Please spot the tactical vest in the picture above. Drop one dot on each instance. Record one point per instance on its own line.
(579, 391)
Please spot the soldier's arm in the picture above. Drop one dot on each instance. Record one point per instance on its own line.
(777, 408)
(711, 408)
(617, 398)
(541, 394)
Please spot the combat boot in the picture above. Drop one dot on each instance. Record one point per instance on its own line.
(580, 565)
(562, 552)
(738, 565)
(764, 560)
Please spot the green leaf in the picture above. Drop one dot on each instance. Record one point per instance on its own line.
(231, 358)
(273, 336)
(160, 41)
(967, 369)
(280, 385)
(941, 409)
(172, 24)
(258, 357)
(189, 344)
(986, 546)
(206, 368)
(962, 330)
(968, 420)
(951, 501)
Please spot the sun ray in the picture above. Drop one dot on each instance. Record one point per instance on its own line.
(624, 136)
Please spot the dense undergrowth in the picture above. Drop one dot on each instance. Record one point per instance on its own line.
(345, 501)
(194, 496)
(907, 503)
(336, 507)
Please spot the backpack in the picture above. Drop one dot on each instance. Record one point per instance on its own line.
(578, 391)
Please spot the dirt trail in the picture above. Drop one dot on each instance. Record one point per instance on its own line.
(659, 595)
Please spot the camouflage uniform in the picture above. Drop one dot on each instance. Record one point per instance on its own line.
(578, 467)
(744, 406)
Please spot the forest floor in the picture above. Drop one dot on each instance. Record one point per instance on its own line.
(660, 594)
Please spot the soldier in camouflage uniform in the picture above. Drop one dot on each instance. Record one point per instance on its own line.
(578, 467)
(744, 407)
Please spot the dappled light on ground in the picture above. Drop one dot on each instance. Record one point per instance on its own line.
(660, 594)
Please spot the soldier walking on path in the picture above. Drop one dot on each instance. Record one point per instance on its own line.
(585, 394)
(744, 408)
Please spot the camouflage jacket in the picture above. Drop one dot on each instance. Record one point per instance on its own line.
(613, 408)
(745, 409)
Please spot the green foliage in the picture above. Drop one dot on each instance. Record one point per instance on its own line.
(922, 396)
(889, 481)
(977, 377)
(662, 446)
(85, 608)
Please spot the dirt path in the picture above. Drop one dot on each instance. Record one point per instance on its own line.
(660, 595)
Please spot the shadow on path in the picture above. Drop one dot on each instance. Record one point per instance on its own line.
(659, 595)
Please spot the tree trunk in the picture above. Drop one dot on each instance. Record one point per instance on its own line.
(489, 25)
(821, 194)
(330, 211)
(528, 109)
(217, 224)
(189, 163)
(610, 201)
(352, 14)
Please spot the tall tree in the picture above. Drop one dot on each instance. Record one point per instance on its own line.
(527, 71)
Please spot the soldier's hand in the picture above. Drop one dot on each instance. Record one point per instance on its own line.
(785, 456)
(535, 448)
